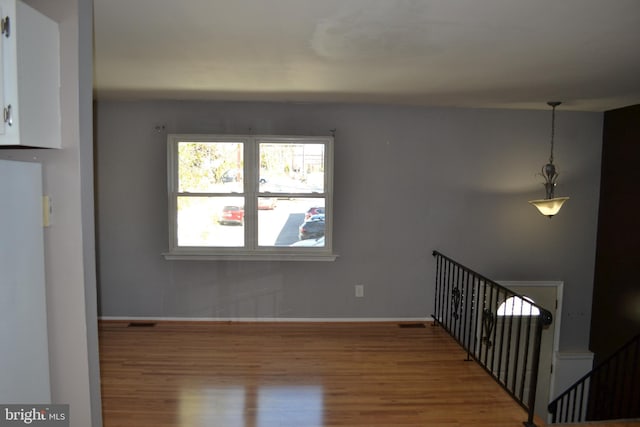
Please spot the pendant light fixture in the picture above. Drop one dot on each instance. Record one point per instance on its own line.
(550, 205)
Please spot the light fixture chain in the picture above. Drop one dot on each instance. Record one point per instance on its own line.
(553, 131)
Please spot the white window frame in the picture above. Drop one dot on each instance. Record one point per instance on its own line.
(251, 251)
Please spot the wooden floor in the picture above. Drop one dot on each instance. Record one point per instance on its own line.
(294, 375)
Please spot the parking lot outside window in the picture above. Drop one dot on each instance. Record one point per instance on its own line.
(250, 197)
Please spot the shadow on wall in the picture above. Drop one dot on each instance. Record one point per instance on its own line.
(204, 295)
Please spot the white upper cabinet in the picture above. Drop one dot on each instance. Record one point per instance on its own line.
(30, 77)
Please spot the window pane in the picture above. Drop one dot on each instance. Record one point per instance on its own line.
(210, 167)
(516, 306)
(295, 222)
(291, 168)
(210, 221)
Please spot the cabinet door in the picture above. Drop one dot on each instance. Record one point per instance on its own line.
(31, 77)
(24, 349)
(2, 38)
(8, 71)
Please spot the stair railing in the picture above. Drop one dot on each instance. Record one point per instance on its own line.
(498, 328)
(609, 391)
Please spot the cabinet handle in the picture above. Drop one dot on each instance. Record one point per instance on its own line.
(6, 115)
(5, 26)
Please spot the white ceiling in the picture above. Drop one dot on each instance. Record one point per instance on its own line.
(463, 53)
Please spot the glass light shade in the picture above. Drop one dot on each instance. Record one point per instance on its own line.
(549, 207)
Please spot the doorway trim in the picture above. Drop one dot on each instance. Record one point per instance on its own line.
(557, 316)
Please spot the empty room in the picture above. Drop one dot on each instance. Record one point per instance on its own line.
(297, 213)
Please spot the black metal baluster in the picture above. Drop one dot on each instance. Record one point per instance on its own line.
(477, 320)
(503, 319)
(508, 360)
(574, 405)
(438, 273)
(447, 282)
(452, 286)
(443, 266)
(581, 406)
(492, 332)
(487, 323)
(562, 413)
(489, 326)
(526, 352)
(437, 299)
(455, 302)
(468, 312)
(447, 294)
(517, 353)
(494, 310)
(473, 313)
(443, 282)
(443, 292)
(443, 296)
(592, 406)
(460, 304)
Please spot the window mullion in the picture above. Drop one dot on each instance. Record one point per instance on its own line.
(251, 169)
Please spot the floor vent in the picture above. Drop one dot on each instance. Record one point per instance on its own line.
(141, 325)
(411, 325)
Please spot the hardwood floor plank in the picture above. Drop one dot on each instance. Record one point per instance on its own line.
(294, 375)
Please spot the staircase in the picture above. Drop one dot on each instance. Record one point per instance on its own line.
(498, 328)
(611, 391)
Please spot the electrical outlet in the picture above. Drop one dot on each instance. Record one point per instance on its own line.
(359, 291)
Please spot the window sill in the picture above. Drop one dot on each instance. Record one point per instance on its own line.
(323, 257)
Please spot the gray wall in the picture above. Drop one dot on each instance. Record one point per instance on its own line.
(407, 181)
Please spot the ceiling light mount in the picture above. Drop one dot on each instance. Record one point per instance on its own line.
(550, 205)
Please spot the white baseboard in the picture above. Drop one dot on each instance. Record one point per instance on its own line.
(269, 319)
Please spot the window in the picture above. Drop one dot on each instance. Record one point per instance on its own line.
(250, 197)
(516, 306)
